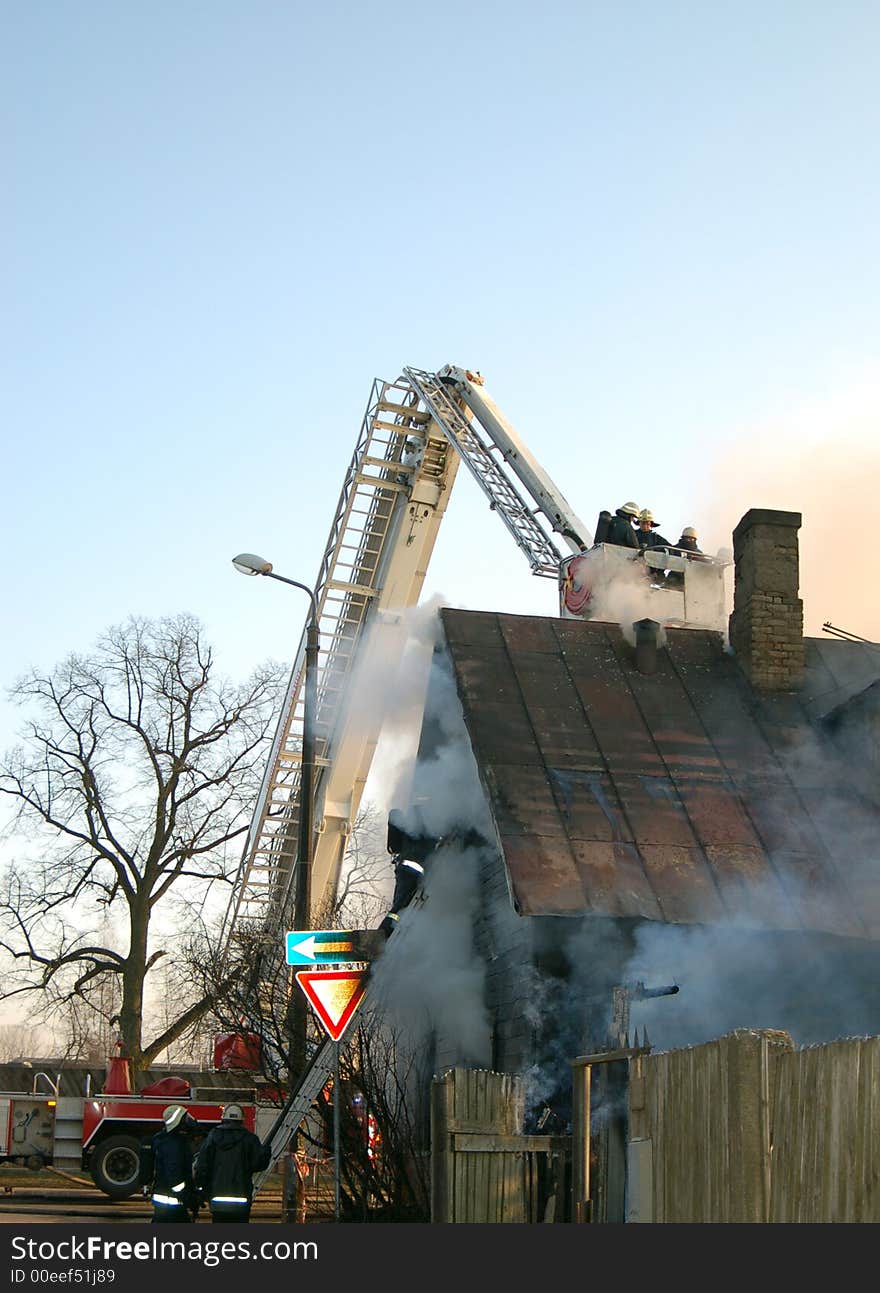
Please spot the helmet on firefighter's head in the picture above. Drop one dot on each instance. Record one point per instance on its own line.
(232, 1113)
(173, 1116)
(689, 533)
(631, 509)
(646, 515)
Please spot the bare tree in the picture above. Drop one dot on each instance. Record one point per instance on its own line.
(18, 1041)
(135, 777)
(384, 1124)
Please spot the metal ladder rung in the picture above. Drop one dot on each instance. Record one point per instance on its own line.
(404, 410)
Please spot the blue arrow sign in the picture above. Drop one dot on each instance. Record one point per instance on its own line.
(323, 947)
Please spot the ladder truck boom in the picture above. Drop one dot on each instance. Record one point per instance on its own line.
(374, 565)
(414, 434)
(550, 502)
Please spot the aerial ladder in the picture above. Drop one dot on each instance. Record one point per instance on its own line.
(415, 433)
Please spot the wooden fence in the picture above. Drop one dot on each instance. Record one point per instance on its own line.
(747, 1128)
(826, 1133)
(483, 1168)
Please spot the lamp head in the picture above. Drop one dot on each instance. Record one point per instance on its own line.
(247, 563)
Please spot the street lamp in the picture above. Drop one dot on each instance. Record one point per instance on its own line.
(247, 563)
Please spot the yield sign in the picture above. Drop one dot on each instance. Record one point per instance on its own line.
(334, 995)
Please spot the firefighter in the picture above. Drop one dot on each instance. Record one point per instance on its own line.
(226, 1164)
(408, 876)
(688, 542)
(645, 537)
(620, 528)
(167, 1167)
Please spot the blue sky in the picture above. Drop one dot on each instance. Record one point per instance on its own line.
(653, 228)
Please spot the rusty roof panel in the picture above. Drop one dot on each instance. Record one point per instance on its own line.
(677, 731)
(781, 720)
(575, 635)
(687, 648)
(588, 805)
(847, 826)
(749, 887)
(836, 670)
(528, 634)
(780, 819)
(522, 800)
(615, 880)
(682, 796)
(814, 893)
(683, 884)
(846, 821)
(565, 738)
(486, 676)
(543, 876)
(716, 812)
(718, 699)
(474, 628)
(617, 724)
(502, 733)
(544, 679)
(653, 810)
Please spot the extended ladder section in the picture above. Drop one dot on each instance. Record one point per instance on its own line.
(493, 452)
(392, 500)
(294, 1112)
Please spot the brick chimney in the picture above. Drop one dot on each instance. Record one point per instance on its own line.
(767, 624)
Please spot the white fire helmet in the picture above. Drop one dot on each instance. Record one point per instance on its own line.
(689, 533)
(647, 515)
(233, 1113)
(631, 509)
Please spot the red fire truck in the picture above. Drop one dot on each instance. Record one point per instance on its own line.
(102, 1133)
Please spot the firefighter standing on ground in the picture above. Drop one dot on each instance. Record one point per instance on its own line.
(226, 1164)
(167, 1167)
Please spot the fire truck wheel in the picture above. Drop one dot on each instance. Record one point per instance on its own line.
(115, 1166)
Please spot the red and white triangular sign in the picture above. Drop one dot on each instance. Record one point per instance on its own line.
(334, 995)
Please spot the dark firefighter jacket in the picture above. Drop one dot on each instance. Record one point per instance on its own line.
(227, 1161)
(167, 1168)
(620, 531)
(651, 539)
(408, 877)
(689, 544)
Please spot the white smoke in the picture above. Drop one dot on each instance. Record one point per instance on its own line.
(446, 793)
(429, 980)
(392, 684)
(798, 955)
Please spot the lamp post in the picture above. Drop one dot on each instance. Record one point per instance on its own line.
(297, 1010)
(297, 1015)
(249, 564)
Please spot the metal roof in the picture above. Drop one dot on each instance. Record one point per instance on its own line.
(681, 796)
